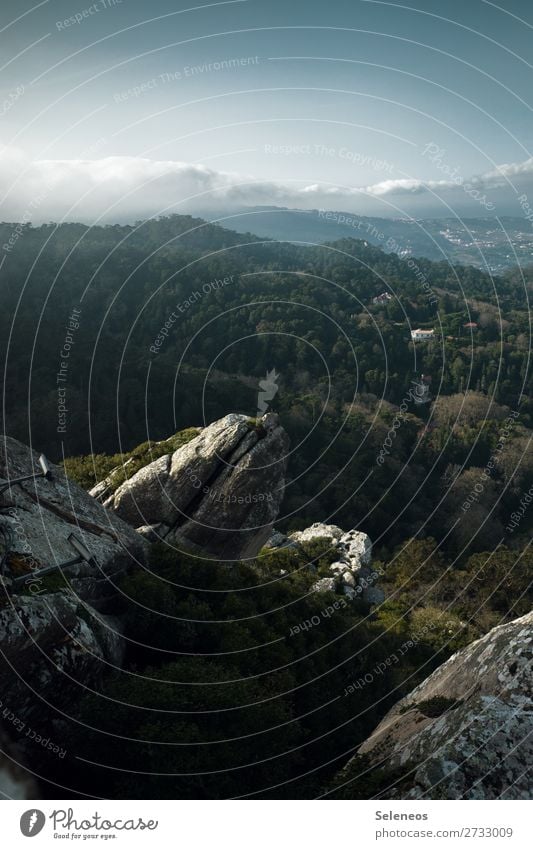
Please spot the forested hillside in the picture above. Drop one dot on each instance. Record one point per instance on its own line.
(121, 342)
(172, 323)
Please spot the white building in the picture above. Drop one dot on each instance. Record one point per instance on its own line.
(422, 335)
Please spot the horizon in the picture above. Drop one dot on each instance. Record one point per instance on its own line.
(109, 113)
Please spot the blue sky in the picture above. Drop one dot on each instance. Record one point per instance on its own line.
(373, 107)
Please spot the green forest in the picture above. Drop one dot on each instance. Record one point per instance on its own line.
(172, 323)
(121, 341)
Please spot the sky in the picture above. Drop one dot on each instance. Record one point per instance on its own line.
(121, 109)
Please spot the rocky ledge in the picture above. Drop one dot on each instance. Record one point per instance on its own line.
(467, 731)
(218, 494)
(39, 515)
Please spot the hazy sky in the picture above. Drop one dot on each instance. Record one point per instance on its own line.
(374, 107)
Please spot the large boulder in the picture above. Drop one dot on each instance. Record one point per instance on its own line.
(38, 516)
(219, 494)
(467, 731)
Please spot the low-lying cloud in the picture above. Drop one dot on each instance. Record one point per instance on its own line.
(124, 188)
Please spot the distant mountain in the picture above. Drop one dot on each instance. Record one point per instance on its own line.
(487, 243)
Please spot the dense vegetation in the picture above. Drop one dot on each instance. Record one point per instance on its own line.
(215, 684)
(304, 311)
(244, 307)
(223, 693)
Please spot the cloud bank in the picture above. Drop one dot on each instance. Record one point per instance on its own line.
(125, 188)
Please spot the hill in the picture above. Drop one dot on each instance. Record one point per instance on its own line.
(493, 245)
(113, 336)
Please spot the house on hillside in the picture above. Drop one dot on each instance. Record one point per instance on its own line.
(422, 335)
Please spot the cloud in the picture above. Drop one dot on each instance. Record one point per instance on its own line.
(499, 177)
(123, 188)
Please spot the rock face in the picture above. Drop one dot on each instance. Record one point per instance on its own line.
(466, 731)
(54, 650)
(219, 493)
(52, 645)
(351, 573)
(38, 517)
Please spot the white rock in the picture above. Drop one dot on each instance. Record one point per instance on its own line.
(325, 585)
(330, 533)
(357, 548)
